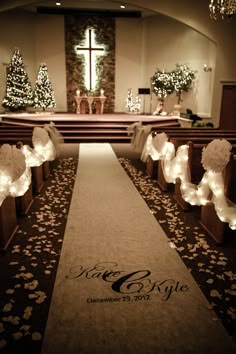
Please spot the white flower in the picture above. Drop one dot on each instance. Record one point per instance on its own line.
(40, 136)
(216, 155)
(12, 162)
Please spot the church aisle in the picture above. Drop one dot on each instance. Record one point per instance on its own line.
(120, 287)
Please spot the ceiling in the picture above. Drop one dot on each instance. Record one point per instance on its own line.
(75, 6)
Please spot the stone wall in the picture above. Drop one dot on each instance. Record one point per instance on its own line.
(75, 29)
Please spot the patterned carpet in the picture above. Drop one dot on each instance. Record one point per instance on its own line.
(29, 266)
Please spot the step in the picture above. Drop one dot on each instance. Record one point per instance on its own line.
(77, 139)
(97, 131)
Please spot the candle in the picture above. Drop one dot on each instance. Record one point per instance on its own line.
(102, 92)
(78, 92)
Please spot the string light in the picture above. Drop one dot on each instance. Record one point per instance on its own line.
(223, 9)
(215, 158)
(133, 107)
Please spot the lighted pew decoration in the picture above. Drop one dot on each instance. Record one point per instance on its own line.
(15, 180)
(153, 151)
(55, 136)
(211, 193)
(154, 146)
(44, 146)
(139, 135)
(39, 156)
(172, 164)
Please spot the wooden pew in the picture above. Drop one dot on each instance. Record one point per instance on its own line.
(8, 222)
(199, 143)
(209, 218)
(37, 172)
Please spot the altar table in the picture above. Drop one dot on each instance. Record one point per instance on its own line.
(84, 101)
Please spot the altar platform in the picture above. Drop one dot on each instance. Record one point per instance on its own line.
(73, 117)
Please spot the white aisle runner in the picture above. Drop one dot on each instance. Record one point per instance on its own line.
(120, 288)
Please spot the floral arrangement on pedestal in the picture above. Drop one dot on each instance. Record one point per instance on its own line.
(182, 78)
(162, 84)
(165, 82)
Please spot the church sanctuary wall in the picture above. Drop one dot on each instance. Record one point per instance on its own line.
(129, 58)
(50, 49)
(17, 30)
(168, 42)
(222, 33)
(40, 39)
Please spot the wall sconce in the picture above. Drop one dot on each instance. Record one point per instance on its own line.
(206, 68)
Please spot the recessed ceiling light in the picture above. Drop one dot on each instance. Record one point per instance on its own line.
(122, 6)
(58, 3)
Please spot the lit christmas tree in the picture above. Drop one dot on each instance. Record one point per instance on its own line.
(43, 92)
(182, 78)
(19, 93)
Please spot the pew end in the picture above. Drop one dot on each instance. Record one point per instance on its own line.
(24, 202)
(8, 222)
(209, 219)
(151, 167)
(37, 178)
(212, 224)
(178, 196)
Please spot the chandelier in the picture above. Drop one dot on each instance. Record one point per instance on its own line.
(223, 9)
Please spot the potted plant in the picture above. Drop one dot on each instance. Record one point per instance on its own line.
(162, 85)
(182, 79)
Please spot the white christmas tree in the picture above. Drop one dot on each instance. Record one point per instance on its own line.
(19, 93)
(43, 91)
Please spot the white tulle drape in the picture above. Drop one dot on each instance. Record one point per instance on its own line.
(12, 169)
(215, 157)
(153, 146)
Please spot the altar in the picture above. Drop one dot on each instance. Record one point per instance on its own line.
(84, 102)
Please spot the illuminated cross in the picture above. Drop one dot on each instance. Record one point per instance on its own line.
(90, 50)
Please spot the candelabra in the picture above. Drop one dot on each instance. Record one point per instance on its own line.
(223, 9)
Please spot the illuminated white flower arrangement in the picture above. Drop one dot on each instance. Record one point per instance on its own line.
(32, 158)
(21, 185)
(12, 167)
(43, 145)
(215, 157)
